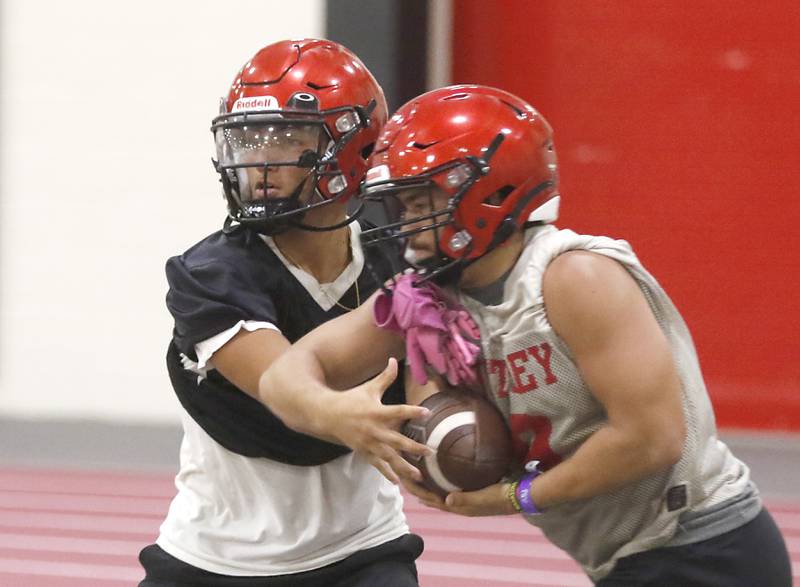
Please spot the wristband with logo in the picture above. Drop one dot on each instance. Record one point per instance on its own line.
(523, 494)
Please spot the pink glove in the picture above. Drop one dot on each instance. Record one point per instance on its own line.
(438, 330)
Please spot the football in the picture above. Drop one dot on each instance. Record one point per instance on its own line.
(471, 441)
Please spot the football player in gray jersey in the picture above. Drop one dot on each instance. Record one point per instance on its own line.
(618, 460)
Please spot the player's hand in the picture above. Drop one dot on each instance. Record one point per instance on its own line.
(359, 420)
(428, 498)
(489, 501)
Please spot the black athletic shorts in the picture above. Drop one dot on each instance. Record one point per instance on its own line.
(752, 555)
(389, 565)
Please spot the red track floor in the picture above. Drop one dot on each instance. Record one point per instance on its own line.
(65, 528)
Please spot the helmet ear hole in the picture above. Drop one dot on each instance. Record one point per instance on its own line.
(367, 151)
(498, 197)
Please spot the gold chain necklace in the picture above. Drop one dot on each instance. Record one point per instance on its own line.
(323, 289)
(342, 306)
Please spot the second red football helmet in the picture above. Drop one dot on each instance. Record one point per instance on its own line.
(489, 150)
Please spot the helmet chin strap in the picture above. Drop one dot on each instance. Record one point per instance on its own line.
(296, 221)
(270, 225)
(267, 224)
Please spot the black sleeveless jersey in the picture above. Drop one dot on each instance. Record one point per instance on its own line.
(219, 281)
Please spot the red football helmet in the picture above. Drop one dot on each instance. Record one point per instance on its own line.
(491, 152)
(301, 117)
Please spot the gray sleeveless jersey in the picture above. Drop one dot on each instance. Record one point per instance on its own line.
(551, 411)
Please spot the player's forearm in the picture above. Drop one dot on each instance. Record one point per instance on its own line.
(294, 389)
(609, 459)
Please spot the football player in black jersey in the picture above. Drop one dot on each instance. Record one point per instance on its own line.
(258, 503)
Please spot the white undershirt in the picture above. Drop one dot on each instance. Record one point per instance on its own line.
(243, 516)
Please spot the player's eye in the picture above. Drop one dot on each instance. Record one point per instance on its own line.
(394, 208)
(418, 205)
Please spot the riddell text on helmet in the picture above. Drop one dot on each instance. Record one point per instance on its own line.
(256, 103)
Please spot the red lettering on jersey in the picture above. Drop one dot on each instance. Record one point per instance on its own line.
(498, 367)
(531, 438)
(517, 370)
(543, 359)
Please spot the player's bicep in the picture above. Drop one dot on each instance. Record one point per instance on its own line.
(623, 356)
(351, 348)
(243, 359)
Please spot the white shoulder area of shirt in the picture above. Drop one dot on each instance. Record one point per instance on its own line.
(206, 348)
(543, 244)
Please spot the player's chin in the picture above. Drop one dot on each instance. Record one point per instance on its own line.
(420, 258)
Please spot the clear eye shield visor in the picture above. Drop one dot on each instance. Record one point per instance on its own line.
(277, 165)
(269, 157)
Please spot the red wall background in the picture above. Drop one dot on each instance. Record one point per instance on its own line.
(678, 129)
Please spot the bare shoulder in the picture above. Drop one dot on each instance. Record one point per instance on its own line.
(583, 275)
(587, 292)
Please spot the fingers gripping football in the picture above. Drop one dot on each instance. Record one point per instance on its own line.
(364, 424)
